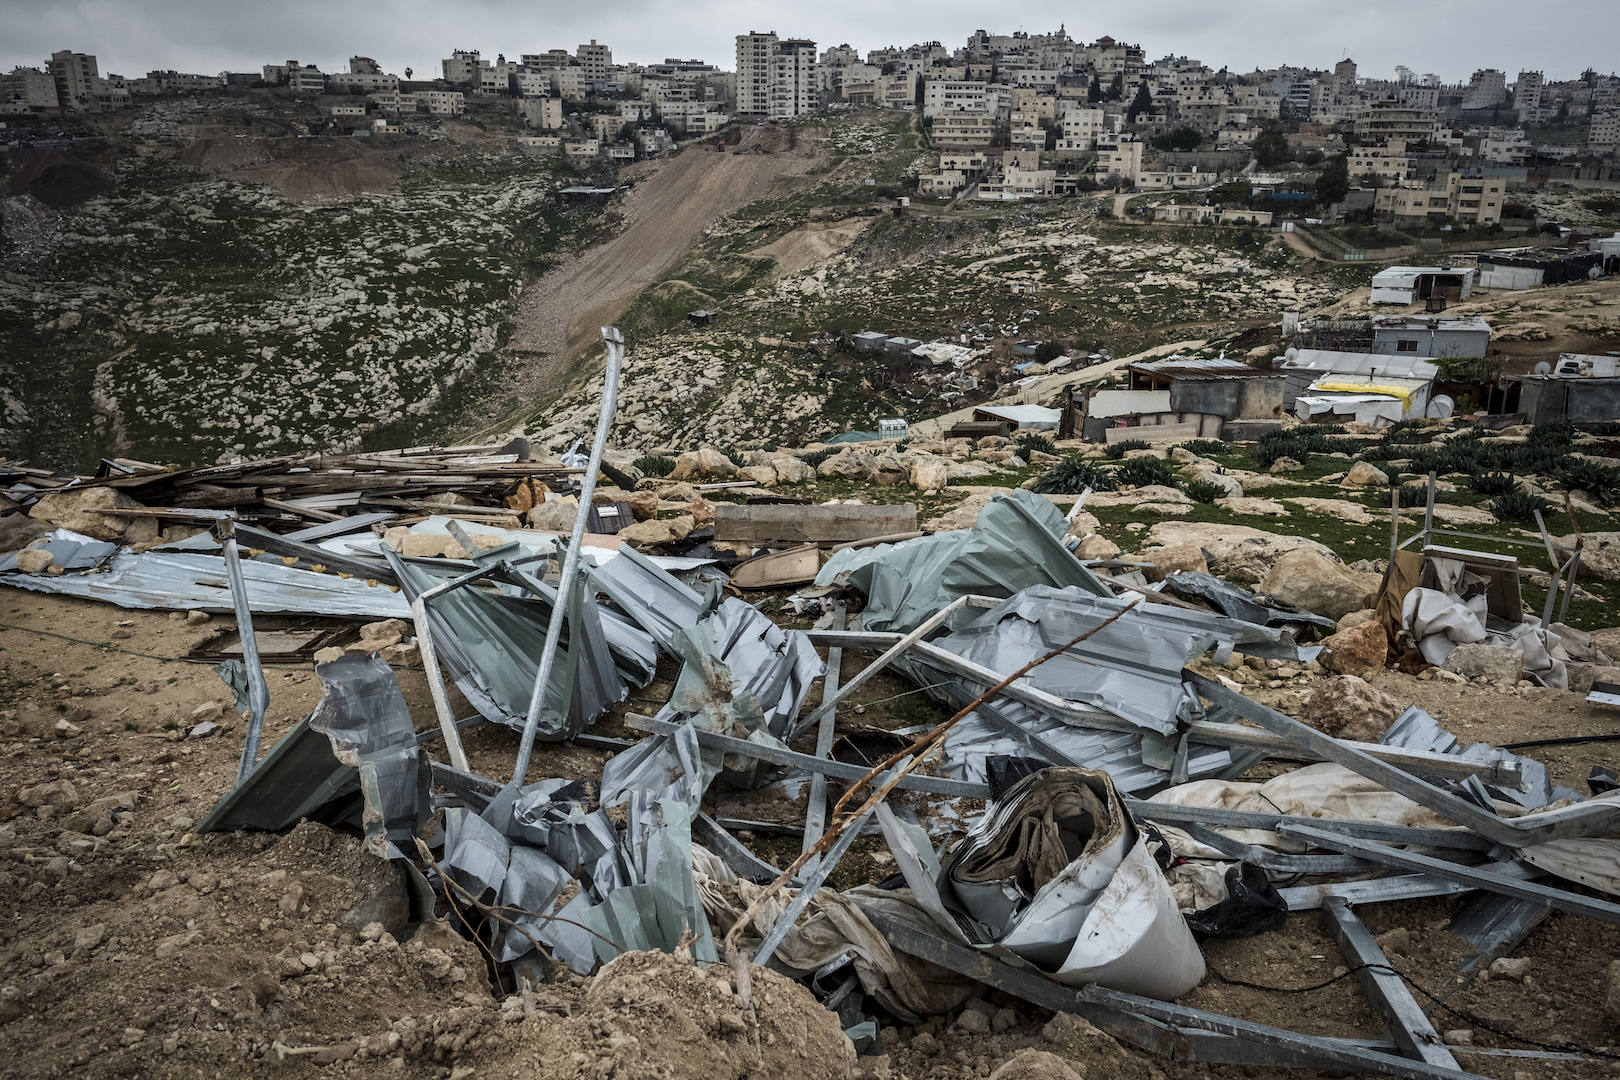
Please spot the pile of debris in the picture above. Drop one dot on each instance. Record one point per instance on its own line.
(1094, 809)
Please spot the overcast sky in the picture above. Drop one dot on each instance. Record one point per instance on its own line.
(131, 37)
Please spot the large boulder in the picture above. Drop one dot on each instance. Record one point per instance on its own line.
(1496, 663)
(1255, 507)
(764, 475)
(930, 473)
(1175, 557)
(1582, 676)
(90, 511)
(1032, 1064)
(702, 463)
(1347, 707)
(791, 470)
(648, 533)
(554, 516)
(1230, 486)
(1084, 524)
(1096, 547)
(1600, 554)
(890, 469)
(1359, 649)
(1364, 474)
(1608, 640)
(848, 465)
(1236, 552)
(1319, 584)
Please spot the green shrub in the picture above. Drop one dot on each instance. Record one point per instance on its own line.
(816, 457)
(1319, 429)
(1206, 447)
(1552, 433)
(1600, 481)
(652, 465)
(1204, 491)
(1610, 427)
(1415, 495)
(737, 458)
(1139, 472)
(1031, 442)
(1517, 506)
(1073, 475)
(1117, 451)
(1493, 483)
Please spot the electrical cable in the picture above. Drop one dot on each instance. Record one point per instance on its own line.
(1474, 1020)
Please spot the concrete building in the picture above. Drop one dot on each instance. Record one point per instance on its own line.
(795, 88)
(28, 90)
(1486, 90)
(1442, 198)
(544, 113)
(596, 60)
(754, 72)
(1119, 157)
(963, 132)
(1414, 284)
(80, 86)
(1388, 121)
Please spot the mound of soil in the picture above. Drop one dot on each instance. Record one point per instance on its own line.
(298, 168)
(651, 1015)
(57, 179)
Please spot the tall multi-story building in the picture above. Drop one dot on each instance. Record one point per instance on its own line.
(597, 60)
(776, 77)
(28, 90)
(1528, 94)
(1486, 90)
(1389, 121)
(80, 86)
(754, 72)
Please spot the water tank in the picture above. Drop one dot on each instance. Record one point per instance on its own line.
(1440, 407)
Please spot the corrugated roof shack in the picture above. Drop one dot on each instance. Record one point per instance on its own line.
(1303, 367)
(1220, 388)
(1411, 284)
(1519, 270)
(1453, 337)
(1582, 389)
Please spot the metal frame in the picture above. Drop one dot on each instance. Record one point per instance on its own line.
(1408, 1024)
(1562, 572)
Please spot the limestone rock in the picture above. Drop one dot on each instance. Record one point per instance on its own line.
(143, 530)
(1582, 676)
(1500, 665)
(647, 533)
(1343, 509)
(425, 546)
(1166, 509)
(1229, 484)
(1358, 650)
(702, 462)
(1286, 465)
(701, 511)
(1608, 640)
(1347, 707)
(1611, 990)
(1364, 474)
(643, 504)
(848, 465)
(890, 469)
(1237, 552)
(680, 526)
(966, 470)
(930, 473)
(554, 516)
(1253, 506)
(34, 560)
(1031, 1064)
(1318, 584)
(1600, 556)
(1084, 524)
(395, 537)
(1168, 560)
(90, 511)
(1356, 618)
(791, 470)
(764, 475)
(1096, 547)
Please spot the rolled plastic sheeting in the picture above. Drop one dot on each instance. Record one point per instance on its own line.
(1058, 875)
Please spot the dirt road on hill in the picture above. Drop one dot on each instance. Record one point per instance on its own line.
(664, 215)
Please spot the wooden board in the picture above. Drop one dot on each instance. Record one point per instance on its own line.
(791, 567)
(810, 524)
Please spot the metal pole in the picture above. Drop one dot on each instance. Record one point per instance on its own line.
(258, 691)
(570, 567)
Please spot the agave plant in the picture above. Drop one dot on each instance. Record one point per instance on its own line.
(1517, 506)
(1073, 475)
(1117, 451)
(653, 465)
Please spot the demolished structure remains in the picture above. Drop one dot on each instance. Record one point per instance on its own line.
(1093, 810)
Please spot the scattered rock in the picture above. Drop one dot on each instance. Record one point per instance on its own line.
(1364, 474)
(1459, 1037)
(556, 515)
(764, 475)
(203, 730)
(1096, 547)
(1253, 506)
(930, 473)
(973, 1022)
(1175, 557)
(1396, 942)
(1510, 967)
(1600, 555)
(90, 937)
(1357, 650)
(1500, 665)
(34, 560)
(1611, 993)
(328, 654)
(703, 463)
(1319, 584)
(1239, 553)
(1356, 618)
(1032, 1064)
(1286, 465)
(91, 511)
(1582, 676)
(648, 533)
(1347, 707)
(197, 618)
(791, 470)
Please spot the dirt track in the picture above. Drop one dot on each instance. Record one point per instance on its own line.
(664, 215)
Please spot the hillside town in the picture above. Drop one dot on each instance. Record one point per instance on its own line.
(1013, 116)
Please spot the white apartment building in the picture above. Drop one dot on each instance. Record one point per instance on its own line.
(1604, 133)
(80, 86)
(754, 72)
(442, 102)
(28, 90)
(1486, 89)
(794, 87)
(597, 60)
(950, 98)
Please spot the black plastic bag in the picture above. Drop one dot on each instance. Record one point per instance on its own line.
(1252, 906)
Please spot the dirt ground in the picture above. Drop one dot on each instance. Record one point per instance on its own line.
(664, 213)
(133, 947)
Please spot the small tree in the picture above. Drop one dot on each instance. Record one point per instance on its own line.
(1116, 89)
(1094, 92)
(1334, 182)
(1143, 102)
(1270, 147)
(1182, 139)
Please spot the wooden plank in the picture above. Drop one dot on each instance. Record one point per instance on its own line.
(791, 567)
(810, 524)
(303, 511)
(1152, 433)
